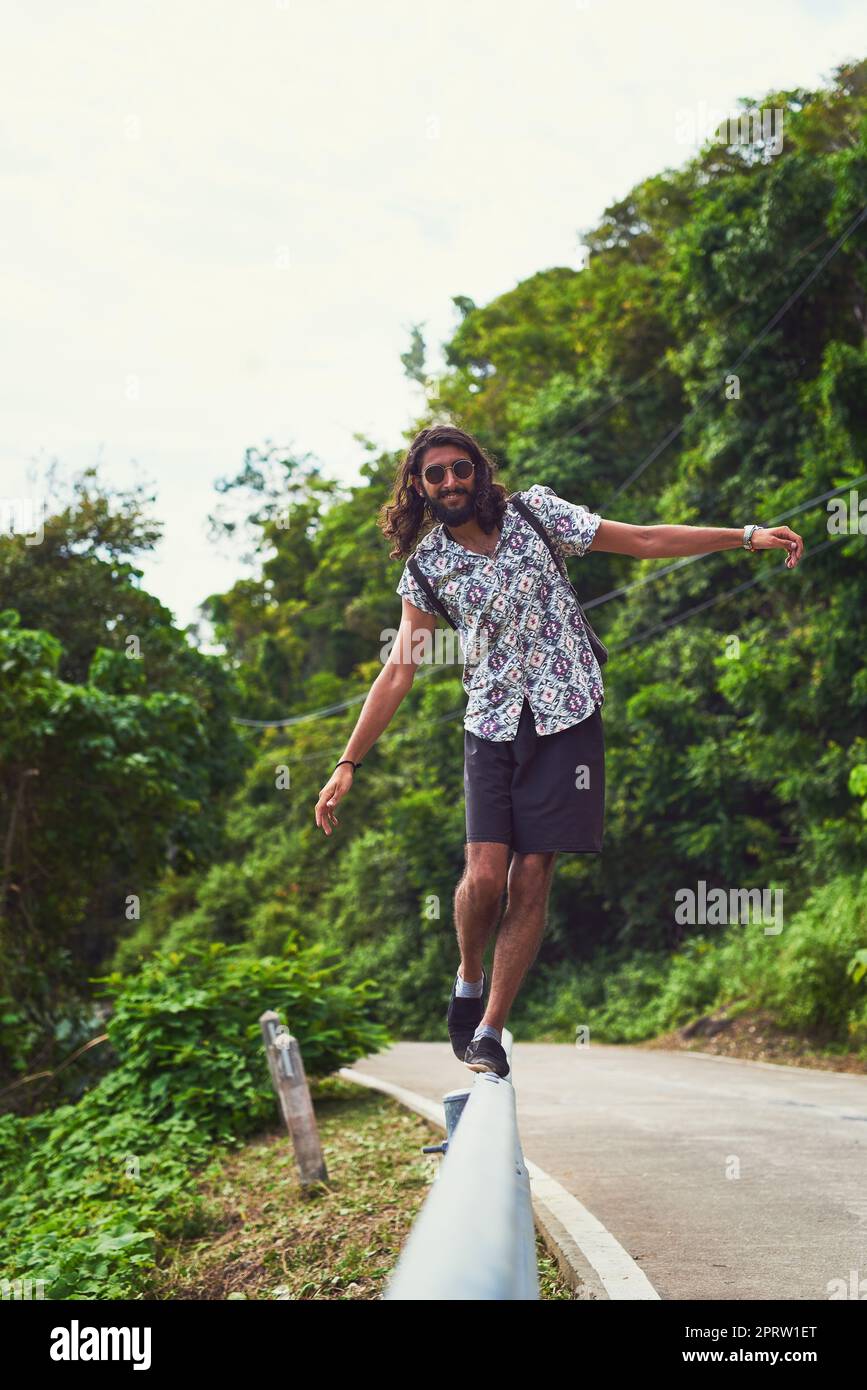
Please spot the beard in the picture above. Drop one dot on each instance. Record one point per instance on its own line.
(453, 513)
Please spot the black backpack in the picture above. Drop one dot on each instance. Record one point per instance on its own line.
(600, 651)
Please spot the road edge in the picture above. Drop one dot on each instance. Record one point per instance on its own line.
(590, 1258)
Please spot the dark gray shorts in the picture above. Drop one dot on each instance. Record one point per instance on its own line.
(538, 793)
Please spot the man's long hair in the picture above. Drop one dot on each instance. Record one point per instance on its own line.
(402, 518)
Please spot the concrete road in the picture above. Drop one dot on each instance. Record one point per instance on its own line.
(720, 1178)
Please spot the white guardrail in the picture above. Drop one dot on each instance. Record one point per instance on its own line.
(474, 1237)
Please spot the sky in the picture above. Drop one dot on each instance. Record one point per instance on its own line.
(219, 221)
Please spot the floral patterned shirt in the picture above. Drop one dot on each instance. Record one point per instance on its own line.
(519, 626)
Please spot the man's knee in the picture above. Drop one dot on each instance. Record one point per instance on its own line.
(530, 874)
(486, 871)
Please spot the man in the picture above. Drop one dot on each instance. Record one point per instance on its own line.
(534, 776)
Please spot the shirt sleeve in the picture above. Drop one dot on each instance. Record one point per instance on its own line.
(571, 525)
(410, 589)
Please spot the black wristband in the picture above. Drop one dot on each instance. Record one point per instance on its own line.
(347, 760)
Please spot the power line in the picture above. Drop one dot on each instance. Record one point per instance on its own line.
(771, 323)
(592, 603)
(690, 559)
(315, 713)
(614, 401)
(655, 452)
(711, 602)
(594, 415)
(389, 735)
(653, 371)
(619, 592)
(647, 635)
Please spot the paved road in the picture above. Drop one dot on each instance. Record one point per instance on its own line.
(650, 1142)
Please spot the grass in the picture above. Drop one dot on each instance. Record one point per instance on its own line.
(262, 1237)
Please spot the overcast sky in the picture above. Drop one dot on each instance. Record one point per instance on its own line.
(219, 220)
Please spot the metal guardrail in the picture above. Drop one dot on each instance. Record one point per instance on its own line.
(474, 1237)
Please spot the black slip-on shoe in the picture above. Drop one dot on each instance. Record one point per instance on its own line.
(486, 1054)
(464, 1016)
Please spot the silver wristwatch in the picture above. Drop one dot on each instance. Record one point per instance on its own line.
(748, 535)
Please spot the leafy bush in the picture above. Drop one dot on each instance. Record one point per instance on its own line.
(813, 985)
(87, 1190)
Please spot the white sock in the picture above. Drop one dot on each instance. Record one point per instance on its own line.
(465, 990)
(485, 1030)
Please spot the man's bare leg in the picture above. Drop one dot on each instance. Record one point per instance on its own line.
(478, 898)
(521, 932)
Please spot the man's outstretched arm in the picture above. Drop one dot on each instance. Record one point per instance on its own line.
(391, 685)
(669, 542)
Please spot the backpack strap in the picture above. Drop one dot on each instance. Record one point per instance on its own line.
(600, 651)
(542, 531)
(426, 587)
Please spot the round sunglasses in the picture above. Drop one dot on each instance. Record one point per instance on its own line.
(462, 468)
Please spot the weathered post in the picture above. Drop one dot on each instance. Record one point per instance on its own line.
(293, 1093)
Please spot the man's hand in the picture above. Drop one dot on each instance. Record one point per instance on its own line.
(769, 537)
(331, 793)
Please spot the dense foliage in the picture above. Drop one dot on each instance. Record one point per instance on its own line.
(88, 1191)
(117, 752)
